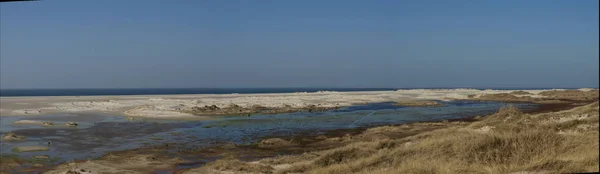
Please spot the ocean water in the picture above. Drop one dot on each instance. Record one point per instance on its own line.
(158, 91)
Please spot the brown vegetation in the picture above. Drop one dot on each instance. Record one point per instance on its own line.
(576, 95)
(132, 162)
(505, 142)
(233, 165)
(274, 142)
(547, 97)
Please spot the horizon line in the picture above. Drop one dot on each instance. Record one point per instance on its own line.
(458, 87)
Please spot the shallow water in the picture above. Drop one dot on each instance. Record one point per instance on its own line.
(99, 133)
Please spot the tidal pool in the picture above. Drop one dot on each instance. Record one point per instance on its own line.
(101, 133)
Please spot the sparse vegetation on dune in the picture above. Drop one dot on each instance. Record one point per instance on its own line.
(506, 142)
(544, 97)
(233, 165)
(581, 95)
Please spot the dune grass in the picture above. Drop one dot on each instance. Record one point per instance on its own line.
(506, 142)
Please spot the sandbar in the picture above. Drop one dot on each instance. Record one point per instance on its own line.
(197, 105)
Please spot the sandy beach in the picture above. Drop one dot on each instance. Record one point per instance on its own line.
(337, 151)
(181, 106)
(130, 144)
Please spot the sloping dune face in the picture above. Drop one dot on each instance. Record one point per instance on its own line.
(506, 142)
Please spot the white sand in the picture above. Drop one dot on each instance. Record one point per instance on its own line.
(30, 148)
(167, 106)
(33, 122)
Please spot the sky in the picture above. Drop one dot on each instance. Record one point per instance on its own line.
(308, 43)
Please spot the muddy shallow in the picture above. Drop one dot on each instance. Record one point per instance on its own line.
(97, 134)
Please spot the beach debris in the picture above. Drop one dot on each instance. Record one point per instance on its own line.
(12, 137)
(46, 123)
(72, 124)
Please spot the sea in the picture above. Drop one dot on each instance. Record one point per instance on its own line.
(163, 91)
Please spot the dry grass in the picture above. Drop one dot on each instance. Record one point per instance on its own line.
(572, 94)
(506, 142)
(547, 97)
(274, 142)
(234, 166)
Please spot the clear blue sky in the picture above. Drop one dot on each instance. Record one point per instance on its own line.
(307, 43)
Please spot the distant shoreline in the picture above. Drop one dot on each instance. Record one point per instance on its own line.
(191, 91)
(167, 91)
(194, 105)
